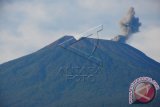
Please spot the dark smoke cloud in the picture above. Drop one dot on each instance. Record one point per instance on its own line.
(129, 25)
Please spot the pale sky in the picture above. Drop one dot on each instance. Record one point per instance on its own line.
(28, 25)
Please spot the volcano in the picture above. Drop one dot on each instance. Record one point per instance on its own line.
(56, 76)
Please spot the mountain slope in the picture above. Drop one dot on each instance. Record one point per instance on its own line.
(57, 77)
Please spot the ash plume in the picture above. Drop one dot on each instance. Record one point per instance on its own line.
(129, 25)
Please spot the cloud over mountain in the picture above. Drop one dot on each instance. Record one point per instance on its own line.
(46, 21)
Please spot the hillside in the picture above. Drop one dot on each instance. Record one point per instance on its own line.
(57, 77)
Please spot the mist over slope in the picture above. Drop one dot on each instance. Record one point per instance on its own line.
(57, 77)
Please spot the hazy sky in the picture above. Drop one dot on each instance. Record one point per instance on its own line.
(28, 25)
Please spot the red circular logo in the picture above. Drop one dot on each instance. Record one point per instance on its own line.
(144, 92)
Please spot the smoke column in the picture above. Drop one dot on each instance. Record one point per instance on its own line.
(129, 25)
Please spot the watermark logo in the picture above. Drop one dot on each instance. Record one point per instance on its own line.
(72, 45)
(143, 90)
(80, 73)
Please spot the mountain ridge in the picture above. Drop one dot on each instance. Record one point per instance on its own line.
(55, 76)
(66, 37)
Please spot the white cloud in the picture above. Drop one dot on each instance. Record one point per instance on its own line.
(29, 36)
(148, 42)
(28, 25)
(31, 40)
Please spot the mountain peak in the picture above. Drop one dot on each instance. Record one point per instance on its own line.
(64, 38)
(60, 40)
(55, 75)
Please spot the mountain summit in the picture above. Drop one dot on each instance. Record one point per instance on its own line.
(57, 76)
